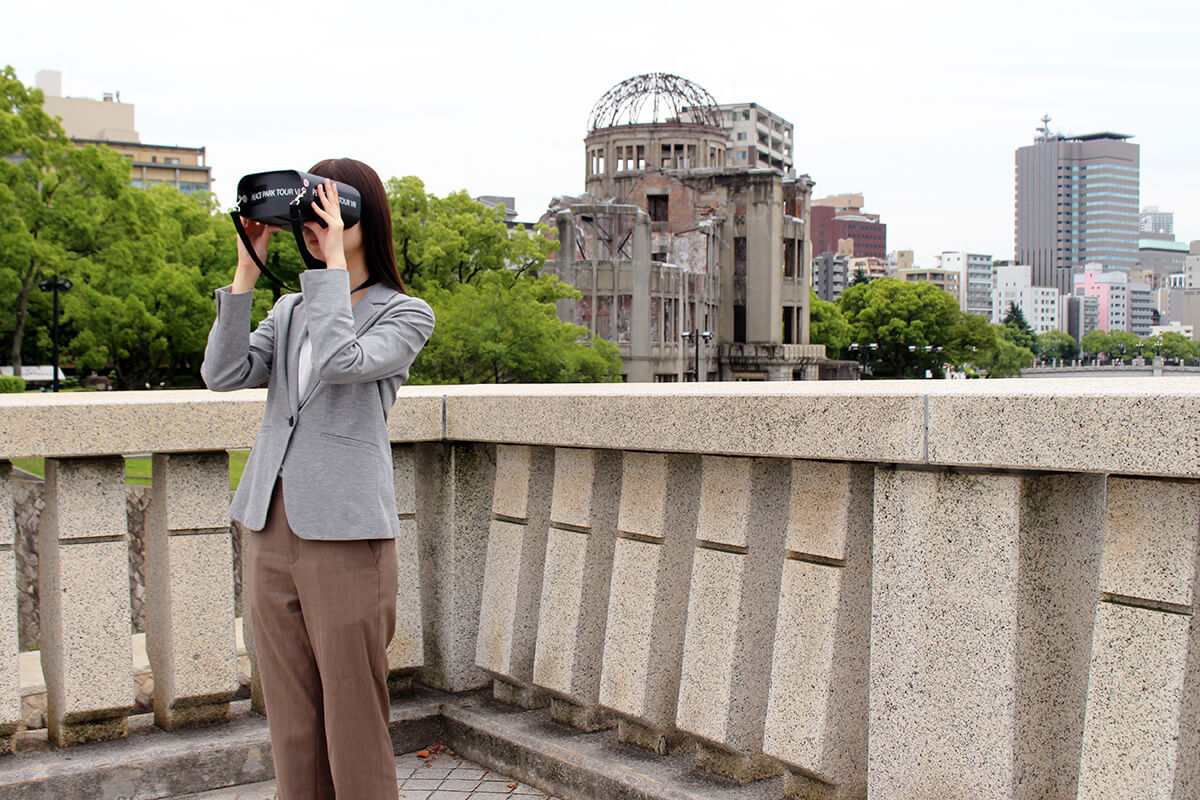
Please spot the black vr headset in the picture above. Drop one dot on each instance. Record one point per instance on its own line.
(285, 198)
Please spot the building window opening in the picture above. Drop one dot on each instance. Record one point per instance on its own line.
(657, 207)
(641, 157)
(739, 323)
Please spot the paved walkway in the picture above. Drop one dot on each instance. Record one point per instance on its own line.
(434, 774)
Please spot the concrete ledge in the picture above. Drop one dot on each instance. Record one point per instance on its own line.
(527, 745)
(152, 763)
(104, 423)
(1095, 425)
(530, 746)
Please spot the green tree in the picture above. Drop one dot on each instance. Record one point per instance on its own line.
(145, 306)
(1096, 343)
(827, 325)
(50, 196)
(1007, 360)
(1125, 345)
(1057, 345)
(454, 239)
(1172, 346)
(502, 328)
(860, 276)
(903, 318)
(1017, 330)
(496, 320)
(973, 340)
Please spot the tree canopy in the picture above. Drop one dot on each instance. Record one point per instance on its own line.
(827, 325)
(144, 263)
(903, 318)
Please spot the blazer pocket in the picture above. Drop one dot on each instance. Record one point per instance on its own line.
(348, 441)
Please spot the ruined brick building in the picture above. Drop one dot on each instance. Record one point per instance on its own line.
(685, 260)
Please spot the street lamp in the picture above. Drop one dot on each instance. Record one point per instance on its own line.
(862, 351)
(55, 286)
(696, 336)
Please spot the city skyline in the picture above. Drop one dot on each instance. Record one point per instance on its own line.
(906, 106)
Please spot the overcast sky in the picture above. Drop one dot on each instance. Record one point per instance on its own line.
(917, 105)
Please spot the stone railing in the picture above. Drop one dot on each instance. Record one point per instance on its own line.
(908, 589)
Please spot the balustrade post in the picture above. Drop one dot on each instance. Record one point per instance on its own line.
(817, 705)
(84, 576)
(647, 605)
(732, 606)
(190, 636)
(512, 579)
(10, 674)
(982, 589)
(406, 650)
(454, 498)
(575, 589)
(1141, 737)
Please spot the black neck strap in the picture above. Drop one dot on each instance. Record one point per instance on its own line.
(309, 260)
(245, 237)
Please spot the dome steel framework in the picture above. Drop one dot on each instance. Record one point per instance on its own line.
(668, 94)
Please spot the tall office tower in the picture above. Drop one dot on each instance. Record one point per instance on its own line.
(1077, 204)
(1154, 221)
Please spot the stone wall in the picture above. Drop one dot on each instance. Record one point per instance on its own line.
(901, 589)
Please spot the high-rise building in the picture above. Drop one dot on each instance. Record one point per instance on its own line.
(830, 276)
(975, 280)
(109, 122)
(1040, 305)
(1123, 305)
(1160, 256)
(1154, 221)
(1076, 204)
(840, 218)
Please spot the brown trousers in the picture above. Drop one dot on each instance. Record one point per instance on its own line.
(323, 613)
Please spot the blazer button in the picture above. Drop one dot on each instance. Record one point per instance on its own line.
(291, 422)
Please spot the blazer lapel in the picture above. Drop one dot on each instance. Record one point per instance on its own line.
(368, 307)
(365, 312)
(296, 331)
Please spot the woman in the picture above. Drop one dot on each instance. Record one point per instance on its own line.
(317, 494)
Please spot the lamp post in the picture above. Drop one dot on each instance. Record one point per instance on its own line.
(55, 285)
(863, 351)
(696, 336)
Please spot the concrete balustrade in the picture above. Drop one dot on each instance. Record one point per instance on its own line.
(575, 586)
(906, 589)
(84, 576)
(732, 606)
(1145, 664)
(406, 652)
(189, 590)
(512, 578)
(647, 607)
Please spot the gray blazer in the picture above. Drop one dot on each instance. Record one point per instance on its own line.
(331, 446)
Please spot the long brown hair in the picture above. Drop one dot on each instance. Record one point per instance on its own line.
(376, 216)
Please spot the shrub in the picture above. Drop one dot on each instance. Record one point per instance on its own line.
(10, 384)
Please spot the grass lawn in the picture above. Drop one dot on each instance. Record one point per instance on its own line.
(138, 468)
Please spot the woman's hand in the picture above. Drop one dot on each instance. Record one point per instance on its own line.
(247, 271)
(329, 238)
